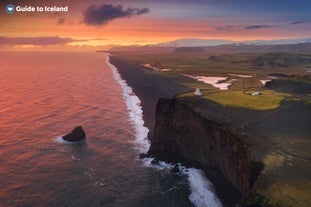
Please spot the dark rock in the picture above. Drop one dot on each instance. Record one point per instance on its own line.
(289, 85)
(231, 145)
(155, 161)
(77, 134)
(269, 83)
(175, 169)
(181, 135)
(143, 155)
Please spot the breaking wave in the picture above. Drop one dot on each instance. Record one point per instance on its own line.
(202, 190)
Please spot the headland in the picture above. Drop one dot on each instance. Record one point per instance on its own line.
(252, 140)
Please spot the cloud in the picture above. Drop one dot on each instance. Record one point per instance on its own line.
(259, 26)
(98, 39)
(36, 40)
(297, 22)
(225, 28)
(61, 21)
(102, 14)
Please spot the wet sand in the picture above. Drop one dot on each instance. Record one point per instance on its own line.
(148, 86)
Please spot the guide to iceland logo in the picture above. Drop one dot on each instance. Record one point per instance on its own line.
(10, 8)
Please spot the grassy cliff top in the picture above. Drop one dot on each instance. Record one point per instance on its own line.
(265, 100)
(277, 132)
(275, 124)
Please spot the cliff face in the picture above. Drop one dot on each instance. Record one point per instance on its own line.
(182, 135)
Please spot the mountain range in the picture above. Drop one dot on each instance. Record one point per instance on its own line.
(221, 46)
(193, 42)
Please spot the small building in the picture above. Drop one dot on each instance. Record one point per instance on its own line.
(197, 92)
(256, 93)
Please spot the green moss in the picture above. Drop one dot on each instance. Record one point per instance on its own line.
(307, 100)
(267, 99)
(255, 200)
(290, 193)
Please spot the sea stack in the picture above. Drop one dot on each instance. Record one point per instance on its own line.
(76, 135)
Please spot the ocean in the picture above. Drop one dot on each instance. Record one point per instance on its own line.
(44, 95)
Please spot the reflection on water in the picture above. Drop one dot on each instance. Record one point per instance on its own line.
(45, 95)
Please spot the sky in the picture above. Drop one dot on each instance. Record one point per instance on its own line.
(140, 22)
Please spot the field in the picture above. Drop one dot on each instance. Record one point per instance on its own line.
(202, 63)
(266, 100)
(274, 123)
(246, 73)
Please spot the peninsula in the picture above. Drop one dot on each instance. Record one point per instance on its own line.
(252, 137)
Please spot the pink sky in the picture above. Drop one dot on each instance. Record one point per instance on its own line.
(148, 22)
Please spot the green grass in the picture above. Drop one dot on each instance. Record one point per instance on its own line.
(267, 99)
(222, 65)
(195, 64)
(202, 63)
(308, 100)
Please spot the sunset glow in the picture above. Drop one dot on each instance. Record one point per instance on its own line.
(97, 23)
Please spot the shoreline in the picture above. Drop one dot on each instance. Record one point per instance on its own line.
(147, 87)
(274, 143)
(150, 88)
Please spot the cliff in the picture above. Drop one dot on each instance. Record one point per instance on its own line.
(182, 135)
(259, 154)
(198, 132)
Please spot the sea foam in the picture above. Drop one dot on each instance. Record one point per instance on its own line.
(202, 190)
(60, 139)
(133, 104)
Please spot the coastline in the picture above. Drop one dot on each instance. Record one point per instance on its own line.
(150, 87)
(268, 164)
(147, 87)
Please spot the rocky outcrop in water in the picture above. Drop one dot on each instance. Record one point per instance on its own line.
(77, 134)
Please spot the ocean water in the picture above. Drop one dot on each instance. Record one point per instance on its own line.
(44, 95)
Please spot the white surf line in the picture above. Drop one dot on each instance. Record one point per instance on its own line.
(133, 104)
(202, 190)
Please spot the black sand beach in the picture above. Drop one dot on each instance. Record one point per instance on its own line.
(148, 86)
(279, 138)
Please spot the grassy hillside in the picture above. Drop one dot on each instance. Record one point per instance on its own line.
(275, 123)
(202, 63)
(279, 59)
(246, 73)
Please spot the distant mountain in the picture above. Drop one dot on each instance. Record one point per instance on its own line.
(145, 49)
(277, 42)
(247, 48)
(189, 49)
(192, 42)
(219, 49)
